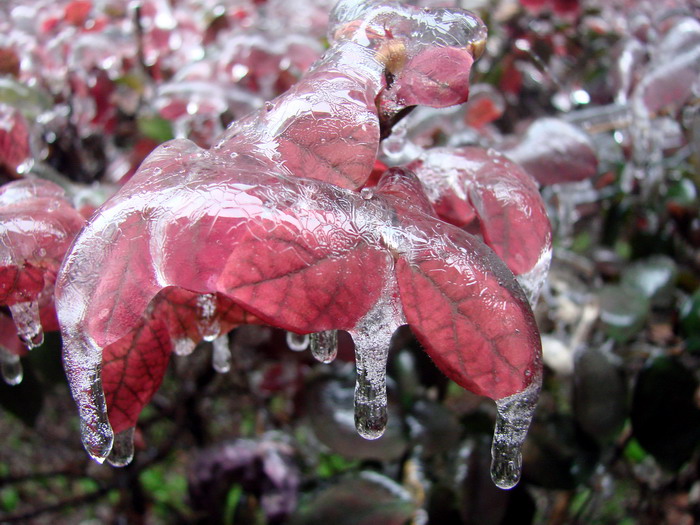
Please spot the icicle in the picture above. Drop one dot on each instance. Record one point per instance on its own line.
(184, 346)
(11, 367)
(123, 448)
(221, 354)
(513, 420)
(82, 360)
(324, 345)
(372, 337)
(209, 323)
(26, 318)
(297, 342)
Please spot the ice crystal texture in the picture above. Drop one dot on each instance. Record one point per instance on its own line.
(268, 226)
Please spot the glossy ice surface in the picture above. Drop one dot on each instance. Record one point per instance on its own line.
(269, 221)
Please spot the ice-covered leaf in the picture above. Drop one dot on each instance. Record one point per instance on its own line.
(176, 320)
(37, 225)
(554, 151)
(268, 220)
(14, 141)
(472, 183)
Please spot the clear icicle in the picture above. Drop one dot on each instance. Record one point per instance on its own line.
(221, 354)
(324, 345)
(513, 420)
(184, 346)
(82, 360)
(297, 342)
(123, 449)
(11, 367)
(209, 323)
(372, 337)
(26, 318)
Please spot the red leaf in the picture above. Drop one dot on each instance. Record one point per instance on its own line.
(134, 366)
(436, 77)
(36, 227)
(470, 182)
(132, 371)
(20, 284)
(301, 254)
(14, 140)
(466, 308)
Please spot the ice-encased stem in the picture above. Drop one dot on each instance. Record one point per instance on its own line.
(512, 422)
(11, 367)
(123, 449)
(221, 354)
(82, 360)
(28, 323)
(324, 345)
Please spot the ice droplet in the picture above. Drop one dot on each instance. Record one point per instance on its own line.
(324, 345)
(184, 346)
(513, 420)
(26, 318)
(372, 337)
(297, 342)
(11, 367)
(123, 449)
(221, 354)
(209, 323)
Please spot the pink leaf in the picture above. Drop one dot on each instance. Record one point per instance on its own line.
(554, 151)
(14, 140)
(472, 182)
(37, 225)
(257, 222)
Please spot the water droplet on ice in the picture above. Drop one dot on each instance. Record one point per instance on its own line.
(123, 449)
(513, 420)
(184, 346)
(26, 318)
(324, 345)
(297, 342)
(221, 354)
(367, 193)
(11, 368)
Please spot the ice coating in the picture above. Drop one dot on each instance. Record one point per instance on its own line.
(473, 185)
(10, 367)
(372, 337)
(28, 323)
(324, 345)
(554, 151)
(37, 225)
(297, 342)
(208, 319)
(269, 221)
(221, 354)
(133, 367)
(512, 422)
(123, 449)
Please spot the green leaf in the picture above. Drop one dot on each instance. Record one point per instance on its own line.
(665, 418)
